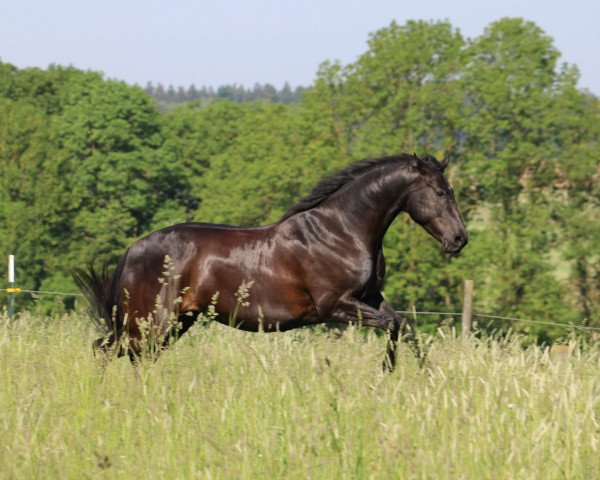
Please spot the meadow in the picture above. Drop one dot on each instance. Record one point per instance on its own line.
(302, 404)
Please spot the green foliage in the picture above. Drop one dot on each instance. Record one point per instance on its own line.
(89, 164)
(259, 174)
(82, 178)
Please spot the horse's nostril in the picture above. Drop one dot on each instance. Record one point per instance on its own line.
(458, 240)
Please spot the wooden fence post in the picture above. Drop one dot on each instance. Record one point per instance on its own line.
(467, 309)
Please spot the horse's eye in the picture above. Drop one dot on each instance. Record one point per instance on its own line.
(441, 194)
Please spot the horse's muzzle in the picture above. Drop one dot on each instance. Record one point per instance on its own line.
(455, 245)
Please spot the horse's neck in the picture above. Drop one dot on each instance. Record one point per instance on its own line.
(369, 204)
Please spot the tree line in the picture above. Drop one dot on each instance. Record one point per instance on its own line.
(91, 164)
(168, 98)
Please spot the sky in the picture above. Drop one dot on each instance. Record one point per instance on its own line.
(213, 43)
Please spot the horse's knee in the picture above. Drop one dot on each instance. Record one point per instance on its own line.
(407, 330)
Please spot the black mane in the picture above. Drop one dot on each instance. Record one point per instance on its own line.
(331, 184)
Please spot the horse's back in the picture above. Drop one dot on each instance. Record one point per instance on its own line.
(184, 246)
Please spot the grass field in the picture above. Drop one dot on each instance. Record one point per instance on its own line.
(303, 404)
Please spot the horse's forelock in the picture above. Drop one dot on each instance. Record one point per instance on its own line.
(430, 163)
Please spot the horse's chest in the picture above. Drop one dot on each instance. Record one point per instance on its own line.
(360, 273)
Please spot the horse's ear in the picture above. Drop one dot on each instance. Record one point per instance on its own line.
(445, 161)
(423, 164)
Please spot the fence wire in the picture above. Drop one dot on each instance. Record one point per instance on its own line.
(498, 317)
(20, 290)
(408, 312)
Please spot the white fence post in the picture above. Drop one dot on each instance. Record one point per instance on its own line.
(11, 286)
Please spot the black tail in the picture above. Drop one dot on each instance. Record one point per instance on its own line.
(101, 290)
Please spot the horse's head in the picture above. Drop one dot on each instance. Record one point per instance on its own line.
(432, 205)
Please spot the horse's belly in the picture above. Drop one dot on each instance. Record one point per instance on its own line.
(259, 302)
(266, 307)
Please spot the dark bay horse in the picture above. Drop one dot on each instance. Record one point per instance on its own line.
(322, 262)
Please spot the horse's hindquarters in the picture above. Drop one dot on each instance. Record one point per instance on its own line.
(180, 269)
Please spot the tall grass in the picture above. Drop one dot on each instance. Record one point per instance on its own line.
(303, 404)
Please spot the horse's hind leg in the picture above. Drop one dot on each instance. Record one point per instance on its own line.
(162, 319)
(185, 321)
(102, 348)
(167, 332)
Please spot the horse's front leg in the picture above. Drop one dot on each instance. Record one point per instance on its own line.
(407, 333)
(350, 310)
